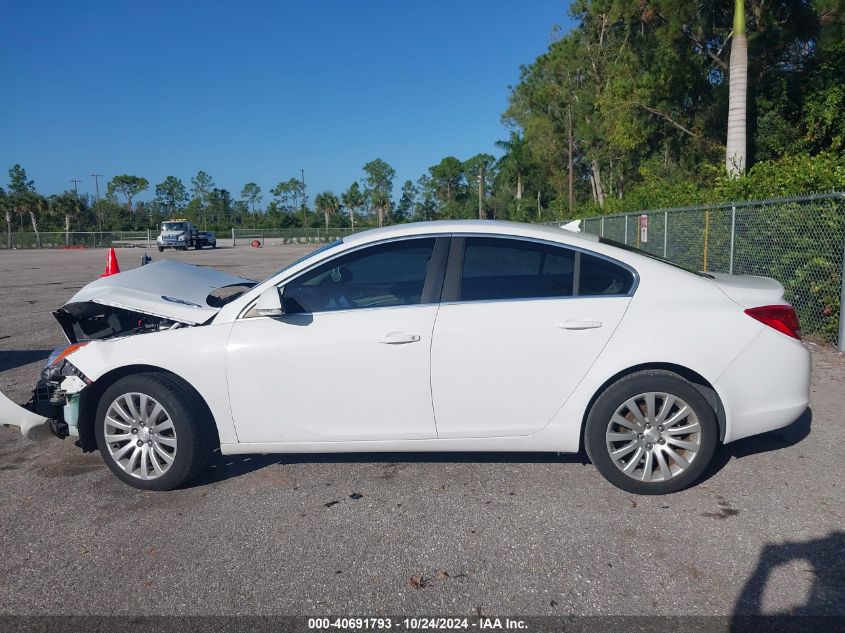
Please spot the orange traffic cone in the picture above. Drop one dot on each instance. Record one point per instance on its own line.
(111, 264)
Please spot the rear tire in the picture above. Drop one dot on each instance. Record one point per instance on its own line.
(651, 433)
(158, 433)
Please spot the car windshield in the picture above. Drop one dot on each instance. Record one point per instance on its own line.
(317, 251)
(172, 226)
(639, 251)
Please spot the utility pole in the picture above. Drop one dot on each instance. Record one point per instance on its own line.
(570, 162)
(75, 182)
(304, 215)
(99, 215)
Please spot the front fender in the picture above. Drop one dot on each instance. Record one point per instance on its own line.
(195, 354)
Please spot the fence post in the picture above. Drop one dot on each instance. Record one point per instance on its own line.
(233, 237)
(602, 226)
(840, 344)
(148, 238)
(665, 232)
(626, 229)
(733, 233)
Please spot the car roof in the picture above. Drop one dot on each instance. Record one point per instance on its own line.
(446, 227)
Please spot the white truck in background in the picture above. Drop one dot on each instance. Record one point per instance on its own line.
(182, 234)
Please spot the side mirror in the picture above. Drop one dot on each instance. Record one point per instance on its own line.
(269, 304)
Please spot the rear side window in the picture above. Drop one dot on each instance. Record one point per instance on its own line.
(500, 268)
(602, 277)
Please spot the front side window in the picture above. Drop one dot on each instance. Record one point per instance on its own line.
(391, 274)
(500, 268)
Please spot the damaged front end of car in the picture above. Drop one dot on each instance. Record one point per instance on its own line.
(58, 391)
(162, 296)
(53, 409)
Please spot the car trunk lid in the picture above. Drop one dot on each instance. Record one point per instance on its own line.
(749, 291)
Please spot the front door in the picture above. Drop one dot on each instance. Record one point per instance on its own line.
(349, 360)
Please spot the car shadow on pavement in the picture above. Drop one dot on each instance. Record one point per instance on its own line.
(18, 358)
(820, 563)
(225, 467)
(763, 443)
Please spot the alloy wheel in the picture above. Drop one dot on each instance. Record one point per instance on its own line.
(653, 437)
(140, 435)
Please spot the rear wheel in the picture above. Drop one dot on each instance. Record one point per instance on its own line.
(651, 432)
(153, 431)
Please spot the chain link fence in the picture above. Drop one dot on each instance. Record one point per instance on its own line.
(77, 239)
(798, 241)
(291, 236)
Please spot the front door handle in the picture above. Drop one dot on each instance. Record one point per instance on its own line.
(579, 324)
(399, 338)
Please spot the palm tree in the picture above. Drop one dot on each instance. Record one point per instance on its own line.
(328, 203)
(381, 203)
(353, 199)
(738, 93)
(67, 206)
(514, 162)
(6, 205)
(33, 203)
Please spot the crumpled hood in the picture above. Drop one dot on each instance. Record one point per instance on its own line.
(167, 289)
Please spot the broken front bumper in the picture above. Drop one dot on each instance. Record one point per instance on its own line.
(32, 426)
(54, 406)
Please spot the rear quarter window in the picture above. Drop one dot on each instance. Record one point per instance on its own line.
(601, 277)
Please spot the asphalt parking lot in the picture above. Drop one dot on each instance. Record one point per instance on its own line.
(404, 534)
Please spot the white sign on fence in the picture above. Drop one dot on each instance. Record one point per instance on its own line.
(643, 228)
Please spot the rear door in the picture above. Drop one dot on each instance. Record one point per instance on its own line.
(520, 324)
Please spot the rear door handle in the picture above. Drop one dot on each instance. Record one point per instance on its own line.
(579, 325)
(399, 338)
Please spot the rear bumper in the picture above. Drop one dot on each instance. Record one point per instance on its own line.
(766, 387)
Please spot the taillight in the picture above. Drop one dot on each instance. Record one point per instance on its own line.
(780, 317)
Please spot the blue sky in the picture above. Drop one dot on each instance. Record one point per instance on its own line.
(257, 90)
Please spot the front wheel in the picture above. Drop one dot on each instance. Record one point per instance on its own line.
(161, 249)
(153, 431)
(651, 432)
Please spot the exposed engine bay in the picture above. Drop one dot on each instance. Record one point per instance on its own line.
(92, 321)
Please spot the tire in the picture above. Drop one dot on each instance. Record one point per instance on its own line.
(198, 246)
(168, 454)
(161, 249)
(666, 457)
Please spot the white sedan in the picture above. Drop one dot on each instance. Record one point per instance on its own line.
(444, 336)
